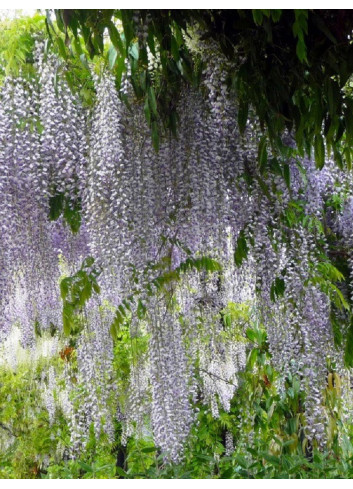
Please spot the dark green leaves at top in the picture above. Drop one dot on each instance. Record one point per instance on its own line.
(241, 250)
(301, 50)
(300, 30)
(175, 48)
(128, 25)
(348, 118)
(115, 38)
(289, 82)
(112, 56)
(262, 154)
(257, 16)
(62, 48)
(319, 151)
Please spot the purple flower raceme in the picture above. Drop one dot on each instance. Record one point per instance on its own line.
(143, 214)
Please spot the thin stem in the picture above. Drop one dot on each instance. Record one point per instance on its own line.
(217, 376)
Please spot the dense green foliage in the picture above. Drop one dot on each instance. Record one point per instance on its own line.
(278, 448)
(291, 67)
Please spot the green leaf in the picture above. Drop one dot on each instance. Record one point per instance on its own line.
(348, 354)
(348, 118)
(68, 311)
(98, 42)
(271, 458)
(173, 120)
(72, 215)
(64, 287)
(276, 14)
(84, 62)
(338, 298)
(128, 23)
(62, 48)
(333, 96)
(252, 357)
(77, 45)
(227, 473)
(251, 335)
(277, 289)
(257, 16)
(300, 29)
(329, 271)
(152, 100)
(336, 328)
(301, 50)
(241, 250)
(85, 293)
(122, 472)
(201, 456)
(114, 330)
(348, 157)
(96, 287)
(37, 328)
(56, 204)
(286, 174)
(319, 149)
(112, 55)
(87, 262)
(155, 135)
(147, 111)
(175, 49)
(262, 154)
(141, 310)
(134, 51)
(338, 157)
(151, 43)
(85, 466)
(115, 38)
(149, 449)
(243, 115)
(227, 319)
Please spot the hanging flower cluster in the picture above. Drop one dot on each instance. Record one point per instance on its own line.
(145, 214)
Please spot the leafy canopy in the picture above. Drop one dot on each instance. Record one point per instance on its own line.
(291, 67)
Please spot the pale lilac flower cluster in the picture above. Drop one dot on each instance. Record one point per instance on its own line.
(145, 212)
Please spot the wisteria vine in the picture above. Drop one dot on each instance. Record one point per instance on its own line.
(78, 182)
